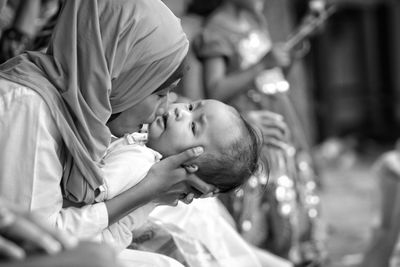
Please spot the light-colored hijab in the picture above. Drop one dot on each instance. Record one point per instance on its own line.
(104, 57)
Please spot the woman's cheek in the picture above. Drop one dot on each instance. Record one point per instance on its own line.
(149, 108)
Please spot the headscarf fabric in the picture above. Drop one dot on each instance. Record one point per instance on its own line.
(104, 57)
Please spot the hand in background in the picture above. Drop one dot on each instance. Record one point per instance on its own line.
(23, 233)
(272, 126)
(12, 43)
(278, 56)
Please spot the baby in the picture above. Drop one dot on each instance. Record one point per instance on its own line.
(231, 150)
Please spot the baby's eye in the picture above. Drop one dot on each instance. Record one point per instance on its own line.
(190, 107)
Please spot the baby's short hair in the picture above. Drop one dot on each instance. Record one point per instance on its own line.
(235, 163)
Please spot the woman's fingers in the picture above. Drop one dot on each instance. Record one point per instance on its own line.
(201, 186)
(180, 178)
(188, 198)
(10, 250)
(171, 170)
(187, 155)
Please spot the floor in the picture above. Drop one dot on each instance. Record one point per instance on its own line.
(349, 199)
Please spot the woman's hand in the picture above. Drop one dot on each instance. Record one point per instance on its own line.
(24, 233)
(170, 181)
(166, 182)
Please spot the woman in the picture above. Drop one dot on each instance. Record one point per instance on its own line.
(382, 249)
(107, 70)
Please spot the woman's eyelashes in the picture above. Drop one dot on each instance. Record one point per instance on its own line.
(161, 95)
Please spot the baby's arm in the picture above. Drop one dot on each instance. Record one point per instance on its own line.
(125, 165)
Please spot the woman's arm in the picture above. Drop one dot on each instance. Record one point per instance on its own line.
(222, 86)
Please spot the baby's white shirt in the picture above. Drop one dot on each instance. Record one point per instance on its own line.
(126, 163)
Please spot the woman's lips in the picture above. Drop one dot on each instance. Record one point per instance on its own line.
(163, 120)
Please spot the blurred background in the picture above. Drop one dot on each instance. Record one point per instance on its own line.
(345, 88)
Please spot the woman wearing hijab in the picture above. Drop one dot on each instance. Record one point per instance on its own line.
(107, 70)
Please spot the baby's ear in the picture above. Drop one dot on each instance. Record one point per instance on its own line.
(191, 167)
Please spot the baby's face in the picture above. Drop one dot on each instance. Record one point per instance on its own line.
(207, 123)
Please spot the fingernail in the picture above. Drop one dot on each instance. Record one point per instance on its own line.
(198, 150)
(190, 196)
(208, 195)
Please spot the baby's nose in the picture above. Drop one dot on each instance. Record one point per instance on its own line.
(179, 113)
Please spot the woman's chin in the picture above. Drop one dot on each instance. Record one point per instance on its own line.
(150, 119)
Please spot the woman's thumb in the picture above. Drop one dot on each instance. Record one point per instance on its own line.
(187, 155)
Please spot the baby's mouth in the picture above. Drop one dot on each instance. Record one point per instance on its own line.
(165, 119)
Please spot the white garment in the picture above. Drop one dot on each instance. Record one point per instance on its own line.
(208, 221)
(126, 163)
(135, 258)
(31, 163)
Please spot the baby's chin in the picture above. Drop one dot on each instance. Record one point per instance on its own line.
(164, 152)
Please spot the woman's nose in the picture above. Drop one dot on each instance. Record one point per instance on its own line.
(163, 105)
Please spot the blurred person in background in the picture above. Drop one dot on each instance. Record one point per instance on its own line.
(210, 214)
(381, 250)
(191, 86)
(26, 25)
(243, 67)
